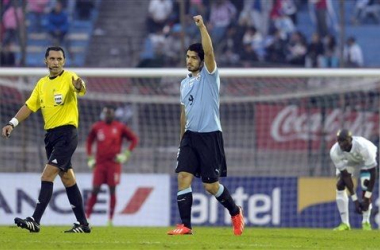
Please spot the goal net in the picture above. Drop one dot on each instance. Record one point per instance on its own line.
(278, 127)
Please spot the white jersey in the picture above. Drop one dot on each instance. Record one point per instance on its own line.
(363, 155)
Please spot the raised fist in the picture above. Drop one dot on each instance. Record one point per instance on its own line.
(198, 20)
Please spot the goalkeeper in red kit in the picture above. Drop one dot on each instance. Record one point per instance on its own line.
(108, 135)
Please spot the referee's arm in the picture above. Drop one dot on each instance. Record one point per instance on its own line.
(21, 115)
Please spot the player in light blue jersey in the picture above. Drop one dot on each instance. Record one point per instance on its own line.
(347, 153)
(201, 151)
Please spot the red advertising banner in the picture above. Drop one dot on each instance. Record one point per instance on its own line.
(291, 127)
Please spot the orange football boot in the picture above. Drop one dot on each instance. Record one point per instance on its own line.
(238, 222)
(180, 230)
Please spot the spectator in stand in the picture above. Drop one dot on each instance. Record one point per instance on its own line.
(12, 18)
(37, 10)
(248, 56)
(353, 55)
(331, 53)
(280, 20)
(289, 8)
(256, 13)
(256, 40)
(158, 13)
(84, 8)
(296, 49)
(315, 52)
(58, 24)
(364, 9)
(322, 14)
(275, 47)
(196, 7)
(5, 4)
(229, 55)
(157, 39)
(172, 47)
(8, 57)
(222, 14)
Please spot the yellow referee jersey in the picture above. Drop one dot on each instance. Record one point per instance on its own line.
(57, 99)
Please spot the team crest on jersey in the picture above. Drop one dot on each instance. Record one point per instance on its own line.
(58, 99)
(100, 135)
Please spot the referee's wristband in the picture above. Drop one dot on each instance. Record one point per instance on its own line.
(354, 197)
(13, 122)
(367, 194)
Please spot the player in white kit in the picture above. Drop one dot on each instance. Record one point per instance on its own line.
(348, 153)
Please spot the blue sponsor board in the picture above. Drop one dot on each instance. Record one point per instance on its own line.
(270, 202)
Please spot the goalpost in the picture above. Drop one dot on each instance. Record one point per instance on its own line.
(277, 123)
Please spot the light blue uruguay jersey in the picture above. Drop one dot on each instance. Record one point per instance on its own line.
(200, 96)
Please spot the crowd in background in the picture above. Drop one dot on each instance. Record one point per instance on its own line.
(52, 17)
(246, 33)
(254, 32)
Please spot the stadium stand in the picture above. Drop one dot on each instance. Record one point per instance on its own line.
(77, 39)
(118, 34)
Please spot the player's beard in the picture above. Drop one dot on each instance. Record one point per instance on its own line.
(193, 69)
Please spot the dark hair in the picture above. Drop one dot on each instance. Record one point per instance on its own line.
(54, 48)
(197, 47)
(343, 134)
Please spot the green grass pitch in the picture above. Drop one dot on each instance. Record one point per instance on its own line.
(50, 237)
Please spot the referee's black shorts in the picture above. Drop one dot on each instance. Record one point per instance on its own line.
(202, 154)
(60, 144)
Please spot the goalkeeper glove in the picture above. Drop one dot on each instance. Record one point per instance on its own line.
(123, 157)
(91, 162)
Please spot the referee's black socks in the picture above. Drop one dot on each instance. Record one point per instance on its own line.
(76, 202)
(43, 200)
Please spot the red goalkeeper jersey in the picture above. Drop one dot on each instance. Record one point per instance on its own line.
(109, 140)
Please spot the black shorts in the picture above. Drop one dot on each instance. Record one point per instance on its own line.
(202, 154)
(60, 144)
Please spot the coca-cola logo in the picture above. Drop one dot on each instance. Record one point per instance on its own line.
(292, 123)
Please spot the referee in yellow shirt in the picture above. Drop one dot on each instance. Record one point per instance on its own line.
(56, 96)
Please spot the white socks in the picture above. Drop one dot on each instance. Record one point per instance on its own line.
(367, 214)
(342, 203)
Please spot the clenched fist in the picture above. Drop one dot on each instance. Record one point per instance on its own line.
(198, 20)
